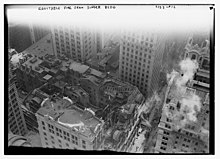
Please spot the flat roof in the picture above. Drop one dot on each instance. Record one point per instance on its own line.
(78, 67)
(34, 63)
(93, 79)
(97, 73)
(75, 117)
(93, 61)
(47, 77)
(42, 47)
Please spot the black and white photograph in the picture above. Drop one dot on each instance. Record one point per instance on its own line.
(121, 79)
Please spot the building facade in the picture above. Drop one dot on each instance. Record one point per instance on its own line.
(74, 42)
(140, 59)
(16, 121)
(63, 125)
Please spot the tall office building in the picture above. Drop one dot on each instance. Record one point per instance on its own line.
(75, 42)
(141, 59)
(37, 32)
(16, 121)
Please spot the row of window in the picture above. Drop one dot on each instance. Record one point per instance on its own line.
(134, 70)
(135, 38)
(142, 86)
(60, 133)
(74, 140)
(130, 76)
(134, 65)
(138, 50)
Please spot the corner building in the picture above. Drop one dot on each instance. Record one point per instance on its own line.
(62, 125)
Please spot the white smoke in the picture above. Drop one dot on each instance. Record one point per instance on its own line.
(189, 104)
(188, 68)
(204, 135)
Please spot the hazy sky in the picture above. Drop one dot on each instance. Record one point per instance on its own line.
(124, 16)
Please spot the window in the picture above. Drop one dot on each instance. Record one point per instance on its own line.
(163, 148)
(167, 133)
(165, 138)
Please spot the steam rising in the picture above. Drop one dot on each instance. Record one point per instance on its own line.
(188, 68)
(188, 103)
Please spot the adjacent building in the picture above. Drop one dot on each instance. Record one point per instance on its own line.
(202, 55)
(36, 65)
(75, 42)
(106, 61)
(140, 59)
(63, 125)
(16, 121)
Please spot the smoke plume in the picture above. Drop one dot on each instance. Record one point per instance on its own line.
(189, 104)
(188, 69)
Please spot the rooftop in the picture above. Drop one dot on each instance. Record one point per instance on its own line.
(47, 77)
(34, 64)
(93, 79)
(42, 47)
(78, 67)
(93, 61)
(64, 112)
(97, 73)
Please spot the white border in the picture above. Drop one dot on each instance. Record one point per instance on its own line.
(217, 109)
